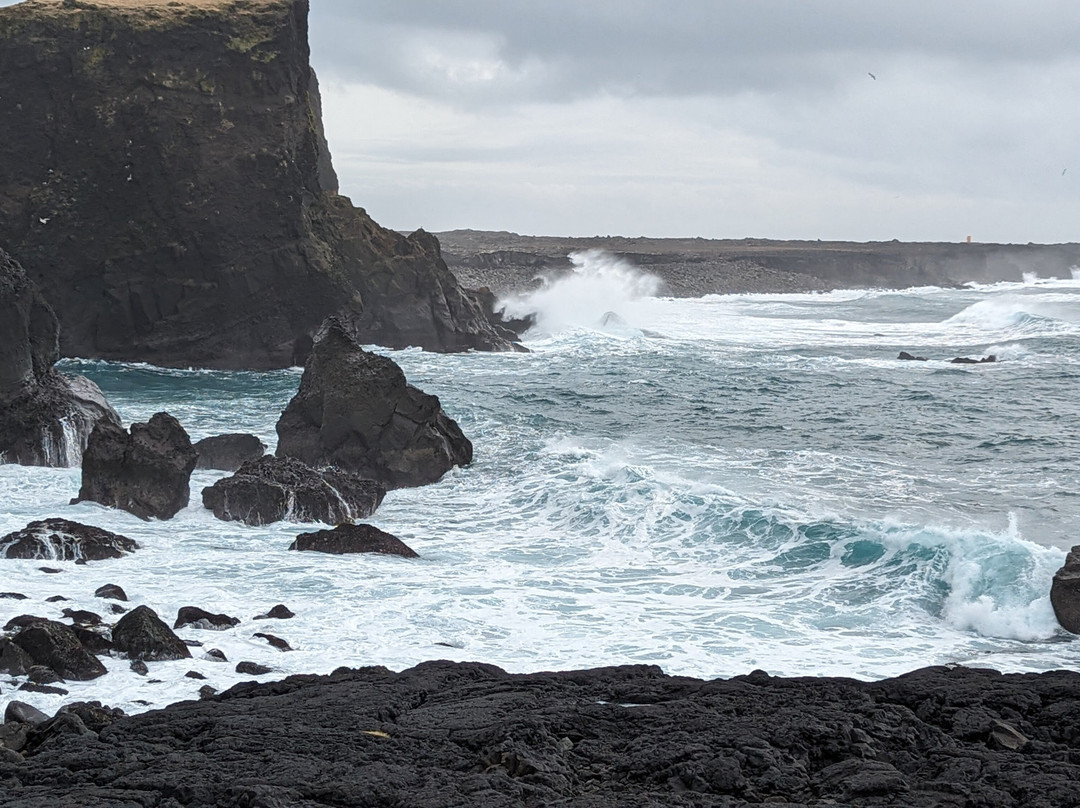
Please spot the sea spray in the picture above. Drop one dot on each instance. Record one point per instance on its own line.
(599, 285)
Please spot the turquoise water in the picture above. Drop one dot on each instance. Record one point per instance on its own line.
(710, 485)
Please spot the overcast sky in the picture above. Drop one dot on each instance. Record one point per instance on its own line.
(848, 119)
(845, 119)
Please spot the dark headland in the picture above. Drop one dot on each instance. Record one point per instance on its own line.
(691, 267)
(165, 183)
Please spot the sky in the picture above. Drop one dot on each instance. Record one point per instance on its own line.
(920, 120)
(836, 119)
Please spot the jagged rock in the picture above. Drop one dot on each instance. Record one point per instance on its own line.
(355, 411)
(910, 358)
(279, 612)
(1065, 592)
(252, 668)
(110, 591)
(274, 488)
(145, 472)
(353, 539)
(228, 452)
(200, 618)
(56, 646)
(64, 540)
(14, 661)
(277, 642)
(183, 209)
(140, 634)
(45, 416)
(966, 360)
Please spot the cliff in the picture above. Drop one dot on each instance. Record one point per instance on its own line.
(165, 180)
(508, 262)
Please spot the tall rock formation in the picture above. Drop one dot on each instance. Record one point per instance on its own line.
(45, 416)
(165, 179)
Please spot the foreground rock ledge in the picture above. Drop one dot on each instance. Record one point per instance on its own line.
(446, 734)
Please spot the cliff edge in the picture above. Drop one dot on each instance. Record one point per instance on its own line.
(165, 180)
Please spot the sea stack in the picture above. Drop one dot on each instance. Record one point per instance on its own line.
(45, 416)
(356, 412)
(183, 209)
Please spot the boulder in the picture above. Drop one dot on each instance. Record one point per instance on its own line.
(352, 539)
(279, 612)
(145, 472)
(64, 540)
(140, 634)
(277, 642)
(252, 668)
(83, 617)
(910, 358)
(45, 416)
(183, 209)
(14, 661)
(200, 618)
(228, 452)
(56, 646)
(21, 713)
(110, 591)
(967, 360)
(271, 489)
(355, 411)
(1065, 592)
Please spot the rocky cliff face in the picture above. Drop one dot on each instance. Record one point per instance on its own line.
(45, 416)
(165, 179)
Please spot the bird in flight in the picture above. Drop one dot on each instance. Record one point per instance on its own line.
(871, 75)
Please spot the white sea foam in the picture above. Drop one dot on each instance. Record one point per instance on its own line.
(594, 295)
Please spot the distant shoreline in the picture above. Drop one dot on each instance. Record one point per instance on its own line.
(509, 262)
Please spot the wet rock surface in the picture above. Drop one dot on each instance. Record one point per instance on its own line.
(58, 648)
(200, 618)
(228, 452)
(271, 489)
(64, 540)
(1065, 592)
(141, 634)
(45, 416)
(345, 539)
(355, 411)
(146, 471)
(183, 209)
(469, 734)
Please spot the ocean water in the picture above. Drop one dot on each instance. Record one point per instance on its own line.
(711, 485)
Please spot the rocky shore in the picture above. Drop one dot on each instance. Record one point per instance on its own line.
(467, 734)
(508, 262)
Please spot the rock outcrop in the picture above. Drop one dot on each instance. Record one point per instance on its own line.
(145, 472)
(64, 540)
(472, 735)
(45, 416)
(1065, 592)
(56, 646)
(272, 489)
(353, 539)
(355, 411)
(165, 178)
(141, 634)
(200, 618)
(228, 452)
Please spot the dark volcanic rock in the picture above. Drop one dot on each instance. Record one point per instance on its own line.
(274, 488)
(200, 618)
(1065, 592)
(12, 596)
(56, 646)
(228, 452)
(967, 360)
(63, 540)
(252, 668)
(140, 634)
(353, 539)
(279, 612)
(83, 617)
(355, 411)
(910, 358)
(277, 642)
(145, 472)
(94, 640)
(110, 591)
(45, 416)
(472, 735)
(13, 659)
(183, 209)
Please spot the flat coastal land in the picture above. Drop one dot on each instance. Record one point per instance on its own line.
(692, 267)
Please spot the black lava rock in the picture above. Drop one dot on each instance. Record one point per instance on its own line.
(140, 634)
(64, 540)
(200, 618)
(56, 646)
(353, 539)
(228, 452)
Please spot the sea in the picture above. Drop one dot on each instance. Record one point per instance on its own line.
(710, 485)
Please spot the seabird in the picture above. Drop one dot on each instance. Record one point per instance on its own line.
(871, 75)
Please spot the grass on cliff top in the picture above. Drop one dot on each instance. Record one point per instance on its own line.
(152, 11)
